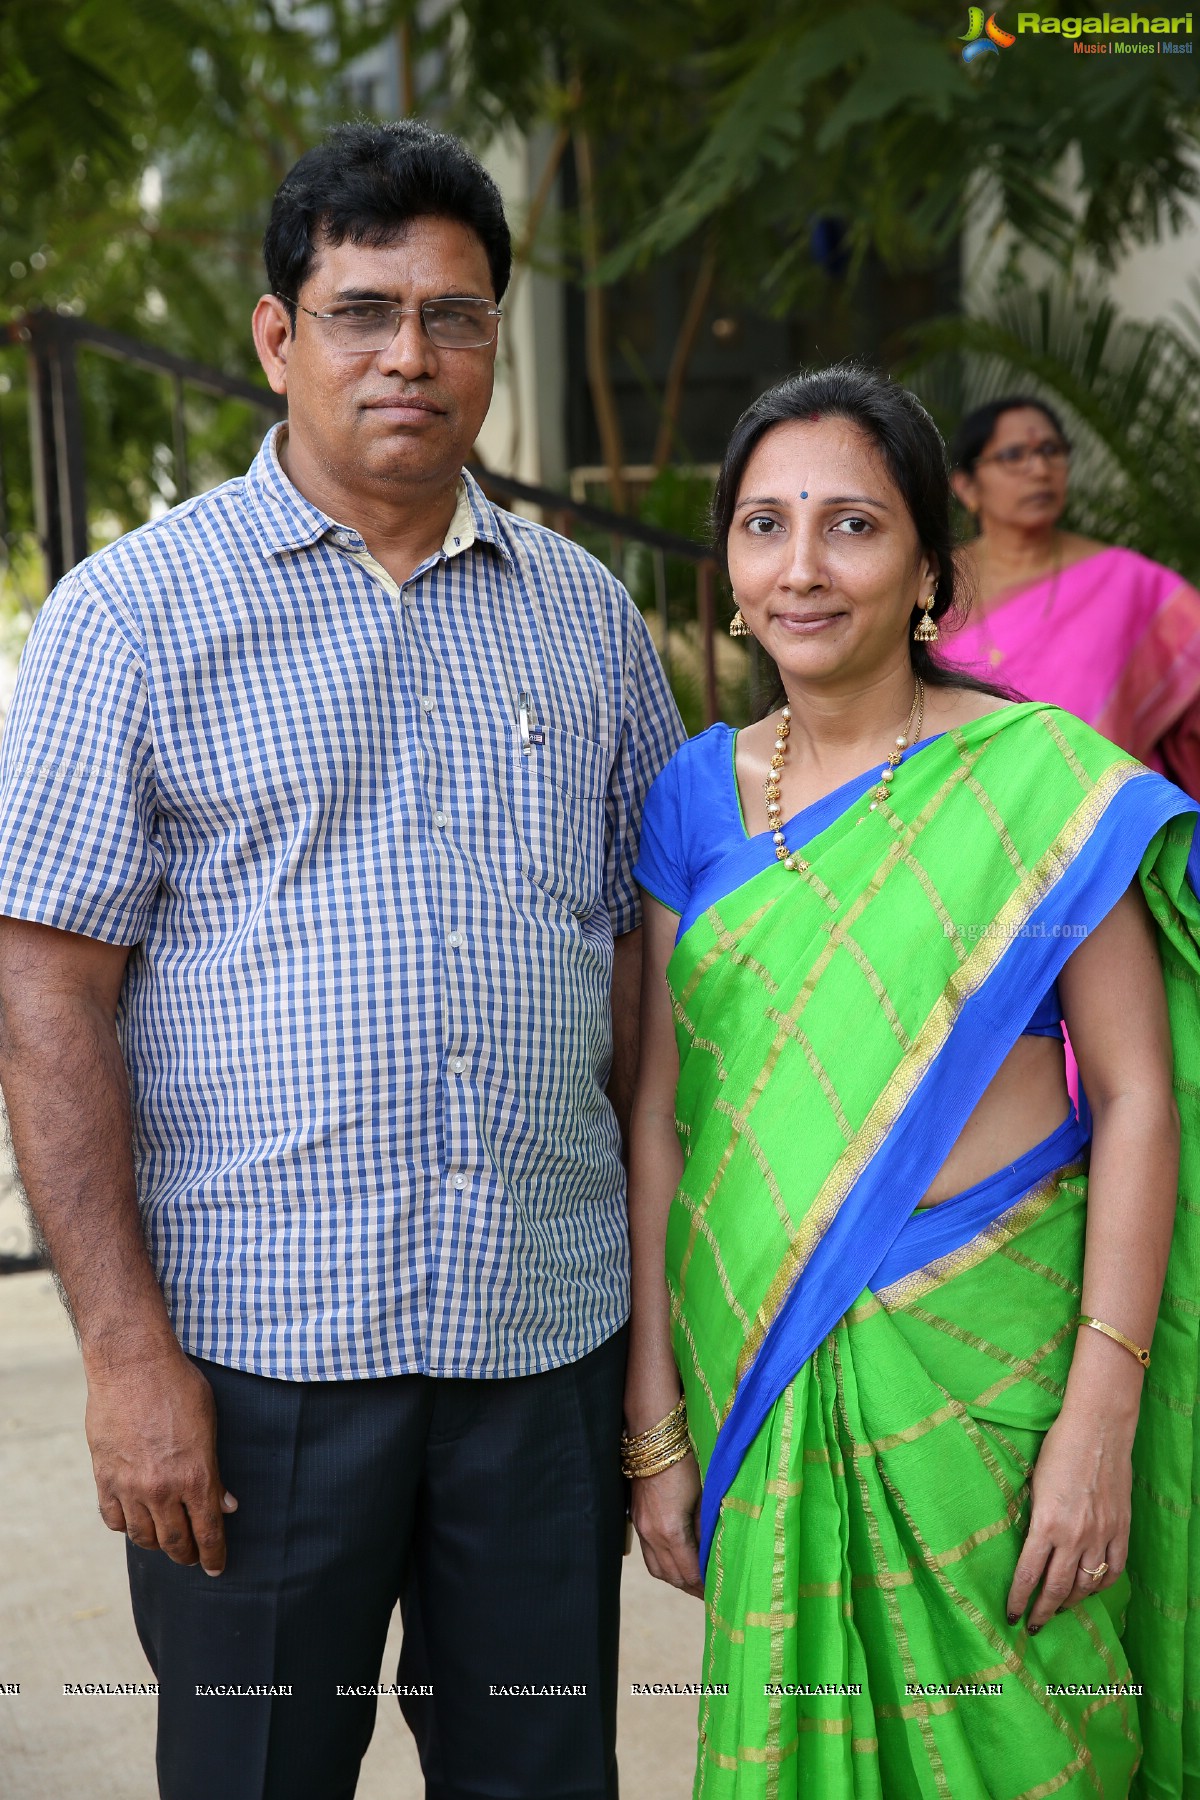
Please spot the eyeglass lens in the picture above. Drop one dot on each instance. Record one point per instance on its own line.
(464, 324)
(1017, 456)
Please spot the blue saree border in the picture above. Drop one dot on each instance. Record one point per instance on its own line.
(988, 1024)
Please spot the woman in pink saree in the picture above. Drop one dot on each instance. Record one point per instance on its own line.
(1098, 630)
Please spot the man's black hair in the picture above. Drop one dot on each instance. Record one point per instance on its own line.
(364, 182)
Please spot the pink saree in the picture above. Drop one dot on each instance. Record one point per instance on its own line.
(1114, 639)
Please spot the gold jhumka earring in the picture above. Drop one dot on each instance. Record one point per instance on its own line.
(738, 627)
(926, 632)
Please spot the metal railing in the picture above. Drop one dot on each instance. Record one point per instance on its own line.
(53, 341)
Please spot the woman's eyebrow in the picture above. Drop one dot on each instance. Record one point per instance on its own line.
(833, 500)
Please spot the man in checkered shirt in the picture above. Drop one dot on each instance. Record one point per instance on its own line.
(318, 982)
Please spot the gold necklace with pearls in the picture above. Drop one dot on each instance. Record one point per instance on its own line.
(910, 735)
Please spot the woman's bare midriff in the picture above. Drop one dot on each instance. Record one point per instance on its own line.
(1025, 1101)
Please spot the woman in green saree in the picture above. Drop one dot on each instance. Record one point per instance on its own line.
(937, 1503)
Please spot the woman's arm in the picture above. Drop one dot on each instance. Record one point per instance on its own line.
(1116, 1011)
(663, 1506)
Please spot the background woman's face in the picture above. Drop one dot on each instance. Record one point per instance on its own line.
(823, 553)
(1008, 486)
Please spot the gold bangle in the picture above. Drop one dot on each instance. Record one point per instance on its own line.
(667, 1460)
(650, 1452)
(1118, 1337)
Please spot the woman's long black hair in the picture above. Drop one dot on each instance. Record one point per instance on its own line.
(915, 457)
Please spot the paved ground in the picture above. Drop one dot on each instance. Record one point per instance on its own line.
(66, 1609)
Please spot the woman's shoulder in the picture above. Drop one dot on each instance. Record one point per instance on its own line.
(698, 757)
(1029, 728)
(946, 707)
(1076, 548)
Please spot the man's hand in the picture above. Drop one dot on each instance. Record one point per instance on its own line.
(152, 1429)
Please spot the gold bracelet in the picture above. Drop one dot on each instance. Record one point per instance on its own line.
(650, 1452)
(1118, 1337)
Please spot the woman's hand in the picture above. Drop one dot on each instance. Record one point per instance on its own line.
(1081, 1486)
(665, 1509)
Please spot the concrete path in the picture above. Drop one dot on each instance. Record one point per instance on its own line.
(65, 1607)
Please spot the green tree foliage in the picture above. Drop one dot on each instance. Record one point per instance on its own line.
(140, 143)
(751, 123)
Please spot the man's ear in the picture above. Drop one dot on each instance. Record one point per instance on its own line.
(272, 328)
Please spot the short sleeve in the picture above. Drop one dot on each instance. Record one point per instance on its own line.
(661, 867)
(651, 733)
(77, 796)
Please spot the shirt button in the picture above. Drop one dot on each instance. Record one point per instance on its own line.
(455, 939)
(460, 1181)
(457, 1064)
(440, 819)
(427, 703)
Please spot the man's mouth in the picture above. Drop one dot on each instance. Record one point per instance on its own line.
(403, 403)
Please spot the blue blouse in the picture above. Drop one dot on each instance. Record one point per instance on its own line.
(695, 848)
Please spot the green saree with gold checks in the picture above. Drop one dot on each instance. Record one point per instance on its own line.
(868, 1384)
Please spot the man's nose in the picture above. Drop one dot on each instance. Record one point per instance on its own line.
(410, 353)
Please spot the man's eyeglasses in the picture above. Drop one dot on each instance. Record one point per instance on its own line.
(457, 322)
(1017, 457)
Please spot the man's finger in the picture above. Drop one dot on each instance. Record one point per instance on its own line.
(139, 1525)
(173, 1530)
(112, 1512)
(208, 1529)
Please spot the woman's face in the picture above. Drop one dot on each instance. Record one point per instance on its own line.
(1020, 479)
(823, 553)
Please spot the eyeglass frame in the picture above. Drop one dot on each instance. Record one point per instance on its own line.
(1049, 451)
(406, 312)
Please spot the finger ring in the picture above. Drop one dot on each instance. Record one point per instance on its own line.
(1094, 1573)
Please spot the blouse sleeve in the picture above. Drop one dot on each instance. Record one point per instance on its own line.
(662, 868)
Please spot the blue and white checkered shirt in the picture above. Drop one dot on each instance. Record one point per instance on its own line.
(373, 899)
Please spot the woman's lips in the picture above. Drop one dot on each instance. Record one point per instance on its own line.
(807, 624)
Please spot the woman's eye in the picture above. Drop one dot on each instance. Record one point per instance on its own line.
(854, 527)
(760, 525)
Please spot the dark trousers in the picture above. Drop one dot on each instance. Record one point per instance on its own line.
(492, 1510)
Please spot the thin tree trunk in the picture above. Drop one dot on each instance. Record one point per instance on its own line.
(681, 356)
(596, 325)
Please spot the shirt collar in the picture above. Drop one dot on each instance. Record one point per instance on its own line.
(286, 521)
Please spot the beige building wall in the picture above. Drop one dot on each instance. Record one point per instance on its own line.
(524, 433)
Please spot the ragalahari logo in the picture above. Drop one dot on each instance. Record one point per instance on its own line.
(984, 40)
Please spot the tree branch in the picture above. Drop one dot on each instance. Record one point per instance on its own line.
(681, 356)
(596, 325)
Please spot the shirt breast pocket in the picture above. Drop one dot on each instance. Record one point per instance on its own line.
(558, 796)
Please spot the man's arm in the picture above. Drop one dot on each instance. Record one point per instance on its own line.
(150, 1419)
(626, 1012)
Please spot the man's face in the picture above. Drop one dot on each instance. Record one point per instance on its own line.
(407, 414)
